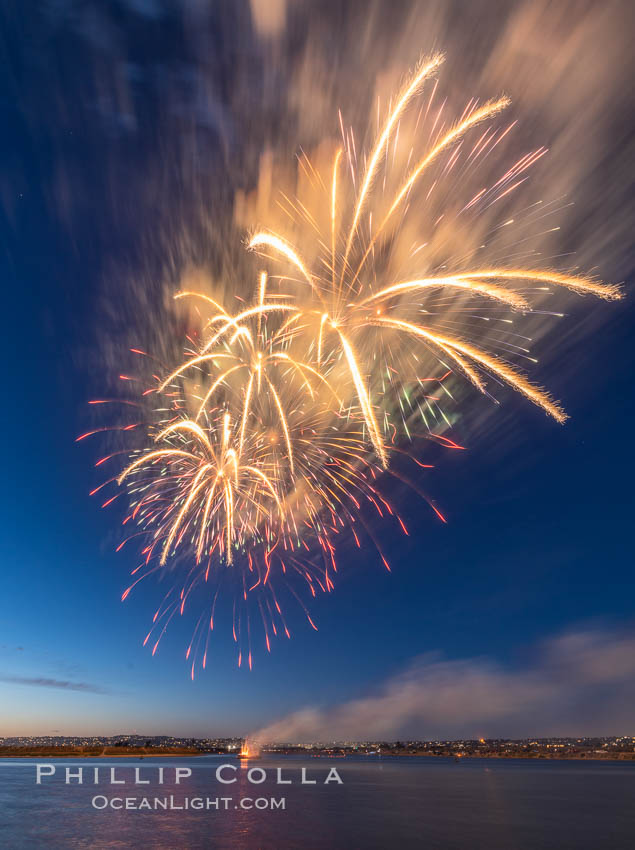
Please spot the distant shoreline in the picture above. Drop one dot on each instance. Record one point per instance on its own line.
(105, 752)
(527, 756)
(142, 753)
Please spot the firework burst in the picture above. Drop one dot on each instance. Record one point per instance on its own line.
(270, 439)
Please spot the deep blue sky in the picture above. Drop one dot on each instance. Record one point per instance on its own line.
(539, 534)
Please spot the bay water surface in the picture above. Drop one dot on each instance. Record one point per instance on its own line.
(381, 802)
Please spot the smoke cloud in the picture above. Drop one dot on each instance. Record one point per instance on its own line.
(578, 683)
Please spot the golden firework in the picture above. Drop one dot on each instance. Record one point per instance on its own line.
(272, 434)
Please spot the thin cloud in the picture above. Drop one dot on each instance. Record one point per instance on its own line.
(59, 684)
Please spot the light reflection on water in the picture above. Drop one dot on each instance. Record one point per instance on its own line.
(382, 803)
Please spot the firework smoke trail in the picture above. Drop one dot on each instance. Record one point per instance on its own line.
(272, 436)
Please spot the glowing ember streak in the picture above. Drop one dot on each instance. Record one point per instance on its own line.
(426, 69)
(364, 400)
(576, 283)
(273, 241)
(506, 296)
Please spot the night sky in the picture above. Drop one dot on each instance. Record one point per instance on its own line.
(539, 535)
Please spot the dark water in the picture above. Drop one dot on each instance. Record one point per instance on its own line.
(381, 803)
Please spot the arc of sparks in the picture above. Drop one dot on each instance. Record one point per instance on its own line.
(300, 366)
(498, 293)
(150, 456)
(507, 373)
(576, 283)
(364, 400)
(193, 361)
(278, 244)
(206, 510)
(221, 379)
(336, 163)
(261, 297)
(192, 427)
(191, 294)
(486, 111)
(197, 484)
(409, 91)
(252, 311)
(229, 513)
(283, 422)
(266, 481)
(323, 319)
(243, 424)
